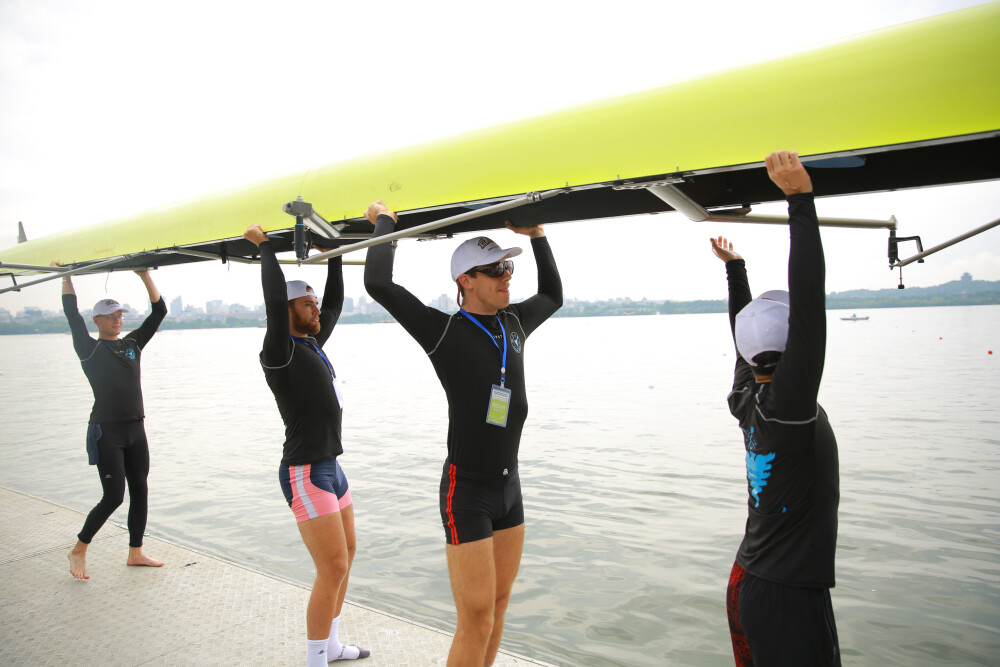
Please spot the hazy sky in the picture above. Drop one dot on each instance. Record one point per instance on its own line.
(108, 108)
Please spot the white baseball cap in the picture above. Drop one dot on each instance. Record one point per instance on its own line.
(762, 325)
(299, 288)
(478, 251)
(108, 307)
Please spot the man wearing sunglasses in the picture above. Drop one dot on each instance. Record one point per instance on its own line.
(478, 356)
(116, 437)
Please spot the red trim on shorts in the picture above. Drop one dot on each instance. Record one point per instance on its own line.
(452, 473)
(741, 648)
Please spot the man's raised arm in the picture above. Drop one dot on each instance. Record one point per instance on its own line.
(549, 298)
(157, 310)
(276, 338)
(795, 386)
(333, 299)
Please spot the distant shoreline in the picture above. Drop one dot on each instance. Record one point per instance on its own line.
(976, 293)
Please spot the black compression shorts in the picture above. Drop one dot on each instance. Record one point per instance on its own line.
(474, 506)
(774, 624)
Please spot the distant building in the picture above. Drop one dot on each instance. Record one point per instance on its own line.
(966, 277)
(238, 311)
(177, 305)
(5, 315)
(214, 307)
(348, 304)
(443, 303)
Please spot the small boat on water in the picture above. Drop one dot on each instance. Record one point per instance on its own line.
(854, 318)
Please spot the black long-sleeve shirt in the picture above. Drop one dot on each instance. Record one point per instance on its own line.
(793, 470)
(298, 375)
(112, 366)
(466, 360)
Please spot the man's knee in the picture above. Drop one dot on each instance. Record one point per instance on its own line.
(138, 491)
(478, 619)
(501, 602)
(332, 566)
(352, 548)
(112, 500)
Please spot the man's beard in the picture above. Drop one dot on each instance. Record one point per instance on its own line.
(306, 325)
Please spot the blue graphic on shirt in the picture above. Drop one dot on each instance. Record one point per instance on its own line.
(758, 472)
(130, 353)
(515, 341)
(748, 439)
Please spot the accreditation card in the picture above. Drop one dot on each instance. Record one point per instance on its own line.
(499, 405)
(339, 393)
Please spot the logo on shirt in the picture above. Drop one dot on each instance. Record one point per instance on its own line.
(130, 353)
(515, 341)
(758, 472)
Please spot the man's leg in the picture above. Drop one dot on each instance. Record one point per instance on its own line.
(337, 649)
(324, 538)
(507, 547)
(111, 470)
(472, 571)
(136, 474)
(347, 517)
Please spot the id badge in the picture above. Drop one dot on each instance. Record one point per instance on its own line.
(499, 405)
(340, 396)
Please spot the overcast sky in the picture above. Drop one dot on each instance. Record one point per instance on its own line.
(108, 108)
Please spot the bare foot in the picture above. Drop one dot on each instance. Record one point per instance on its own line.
(136, 557)
(78, 561)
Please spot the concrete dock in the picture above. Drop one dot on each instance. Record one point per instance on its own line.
(196, 610)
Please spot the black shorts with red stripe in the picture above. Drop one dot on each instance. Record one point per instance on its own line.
(774, 624)
(474, 506)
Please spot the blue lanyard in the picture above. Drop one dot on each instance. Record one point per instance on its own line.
(503, 332)
(318, 351)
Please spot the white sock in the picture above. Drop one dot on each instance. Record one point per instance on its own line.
(316, 652)
(335, 649)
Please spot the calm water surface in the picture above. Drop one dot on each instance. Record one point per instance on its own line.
(631, 465)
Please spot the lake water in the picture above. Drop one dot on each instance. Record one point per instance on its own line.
(632, 469)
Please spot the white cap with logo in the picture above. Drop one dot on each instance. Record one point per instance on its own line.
(478, 251)
(299, 288)
(108, 307)
(762, 325)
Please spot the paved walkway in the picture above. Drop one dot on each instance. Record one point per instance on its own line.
(196, 610)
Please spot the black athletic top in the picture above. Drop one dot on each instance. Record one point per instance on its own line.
(112, 366)
(793, 478)
(466, 360)
(298, 375)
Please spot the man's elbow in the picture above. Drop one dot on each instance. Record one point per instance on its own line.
(375, 286)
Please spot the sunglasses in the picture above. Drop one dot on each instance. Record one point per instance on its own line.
(117, 318)
(495, 270)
